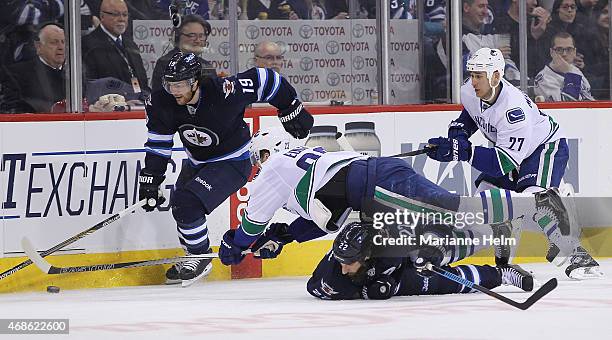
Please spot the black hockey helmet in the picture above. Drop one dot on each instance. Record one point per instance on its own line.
(183, 66)
(353, 244)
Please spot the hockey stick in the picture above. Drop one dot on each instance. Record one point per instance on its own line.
(537, 295)
(74, 238)
(48, 268)
(425, 149)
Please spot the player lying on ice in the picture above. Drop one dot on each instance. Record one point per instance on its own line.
(322, 188)
(529, 152)
(349, 271)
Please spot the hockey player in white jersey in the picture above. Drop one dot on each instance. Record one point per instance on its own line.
(529, 155)
(322, 188)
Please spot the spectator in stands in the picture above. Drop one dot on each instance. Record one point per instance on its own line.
(268, 54)
(190, 37)
(564, 20)
(596, 54)
(108, 52)
(585, 13)
(37, 84)
(561, 80)
(18, 21)
(339, 9)
(508, 23)
(435, 18)
(195, 7)
(258, 9)
(474, 14)
(296, 9)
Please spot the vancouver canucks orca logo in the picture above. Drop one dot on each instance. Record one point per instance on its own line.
(199, 136)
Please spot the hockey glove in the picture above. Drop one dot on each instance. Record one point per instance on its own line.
(457, 130)
(149, 189)
(426, 254)
(296, 120)
(229, 252)
(270, 244)
(382, 288)
(450, 149)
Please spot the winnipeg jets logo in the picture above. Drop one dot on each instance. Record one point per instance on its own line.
(228, 87)
(198, 136)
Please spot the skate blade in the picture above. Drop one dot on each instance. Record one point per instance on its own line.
(559, 260)
(205, 272)
(586, 273)
(172, 282)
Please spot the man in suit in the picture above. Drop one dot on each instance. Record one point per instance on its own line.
(37, 84)
(107, 52)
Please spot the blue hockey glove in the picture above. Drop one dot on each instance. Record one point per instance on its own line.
(382, 288)
(270, 244)
(229, 252)
(149, 189)
(457, 130)
(450, 149)
(296, 120)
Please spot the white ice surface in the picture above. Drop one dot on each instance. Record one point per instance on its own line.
(282, 309)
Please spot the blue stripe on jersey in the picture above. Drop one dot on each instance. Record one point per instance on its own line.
(262, 76)
(152, 136)
(485, 208)
(160, 152)
(509, 202)
(275, 87)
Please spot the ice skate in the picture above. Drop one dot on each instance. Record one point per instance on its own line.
(173, 274)
(514, 275)
(194, 270)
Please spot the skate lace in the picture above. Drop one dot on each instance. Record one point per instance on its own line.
(191, 265)
(510, 276)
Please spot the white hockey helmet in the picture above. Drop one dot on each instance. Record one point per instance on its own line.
(487, 60)
(273, 140)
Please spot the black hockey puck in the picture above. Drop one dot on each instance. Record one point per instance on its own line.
(53, 289)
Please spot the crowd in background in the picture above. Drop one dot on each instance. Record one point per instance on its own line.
(567, 42)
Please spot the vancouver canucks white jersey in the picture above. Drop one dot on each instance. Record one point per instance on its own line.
(513, 123)
(290, 180)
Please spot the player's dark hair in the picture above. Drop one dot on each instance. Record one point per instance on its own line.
(191, 18)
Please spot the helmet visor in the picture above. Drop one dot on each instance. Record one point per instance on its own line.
(180, 86)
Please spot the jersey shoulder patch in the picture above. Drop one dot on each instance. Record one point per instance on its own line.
(515, 115)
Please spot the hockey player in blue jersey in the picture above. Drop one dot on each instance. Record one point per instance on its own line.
(349, 271)
(322, 188)
(207, 113)
(529, 152)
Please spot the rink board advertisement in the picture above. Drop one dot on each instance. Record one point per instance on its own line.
(59, 178)
(324, 60)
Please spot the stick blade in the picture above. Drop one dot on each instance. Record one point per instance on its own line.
(548, 287)
(34, 256)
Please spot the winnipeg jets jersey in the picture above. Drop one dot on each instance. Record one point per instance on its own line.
(513, 123)
(290, 180)
(214, 128)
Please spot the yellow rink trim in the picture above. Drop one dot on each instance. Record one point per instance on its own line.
(302, 259)
(32, 279)
(297, 259)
